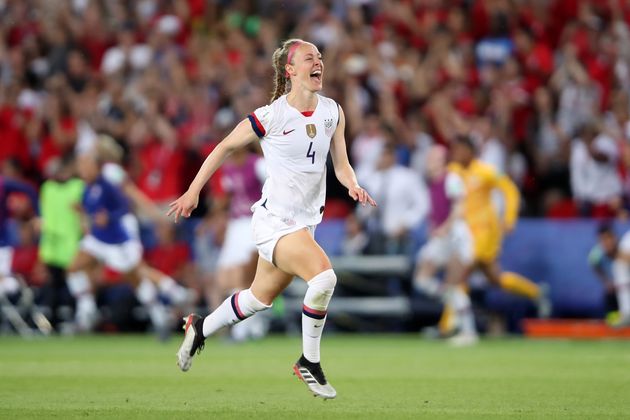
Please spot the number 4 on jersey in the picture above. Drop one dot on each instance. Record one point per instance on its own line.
(311, 153)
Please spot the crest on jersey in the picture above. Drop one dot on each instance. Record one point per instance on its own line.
(328, 126)
(311, 130)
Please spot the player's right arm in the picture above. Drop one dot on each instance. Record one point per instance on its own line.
(242, 135)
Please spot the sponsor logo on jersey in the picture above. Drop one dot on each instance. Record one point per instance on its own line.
(285, 132)
(311, 130)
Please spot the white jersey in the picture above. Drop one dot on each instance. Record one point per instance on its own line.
(295, 148)
(114, 173)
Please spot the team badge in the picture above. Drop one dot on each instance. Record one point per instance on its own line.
(328, 126)
(311, 130)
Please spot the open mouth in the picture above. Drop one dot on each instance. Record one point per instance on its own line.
(316, 76)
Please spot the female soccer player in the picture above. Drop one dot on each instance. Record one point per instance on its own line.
(107, 242)
(296, 131)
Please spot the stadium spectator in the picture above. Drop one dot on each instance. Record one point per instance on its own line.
(403, 204)
(595, 180)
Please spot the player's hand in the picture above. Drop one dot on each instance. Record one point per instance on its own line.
(101, 219)
(359, 194)
(183, 206)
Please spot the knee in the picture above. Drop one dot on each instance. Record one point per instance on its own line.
(320, 290)
(325, 280)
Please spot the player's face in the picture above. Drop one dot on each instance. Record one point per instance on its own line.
(608, 242)
(88, 168)
(308, 68)
(462, 154)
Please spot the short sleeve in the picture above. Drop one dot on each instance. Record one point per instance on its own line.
(454, 186)
(260, 120)
(114, 173)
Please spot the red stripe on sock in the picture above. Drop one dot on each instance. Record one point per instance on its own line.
(313, 311)
(238, 308)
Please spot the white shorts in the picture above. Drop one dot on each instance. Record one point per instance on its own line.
(457, 243)
(131, 226)
(238, 245)
(120, 257)
(6, 260)
(269, 228)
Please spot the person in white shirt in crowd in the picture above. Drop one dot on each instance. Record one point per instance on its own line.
(595, 180)
(403, 204)
(367, 146)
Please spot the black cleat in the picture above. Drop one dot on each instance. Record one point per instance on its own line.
(193, 341)
(312, 375)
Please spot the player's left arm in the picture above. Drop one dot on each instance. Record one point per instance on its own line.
(343, 170)
(511, 197)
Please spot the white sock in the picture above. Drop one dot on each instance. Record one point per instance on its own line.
(9, 285)
(173, 290)
(79, 284)
(429, 285)
(81, 289)
(461, 304)
(239, 306)
(621, 279)
(147, 295)
(318, 295)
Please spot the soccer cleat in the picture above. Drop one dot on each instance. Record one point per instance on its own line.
(622, 322)
(463, 340)
(193, 341)
(313, 376)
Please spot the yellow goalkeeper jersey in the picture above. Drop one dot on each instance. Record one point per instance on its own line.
(480, 212)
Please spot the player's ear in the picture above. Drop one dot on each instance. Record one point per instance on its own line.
(289, 69)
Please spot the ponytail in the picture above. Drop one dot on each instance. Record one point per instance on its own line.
(280, 59)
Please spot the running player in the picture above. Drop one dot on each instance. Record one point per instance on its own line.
(486, 225)
(450, 248)
(108, 242)
(296, 132)
(111, 153)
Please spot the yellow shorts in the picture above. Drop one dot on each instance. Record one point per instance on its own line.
(487, 243)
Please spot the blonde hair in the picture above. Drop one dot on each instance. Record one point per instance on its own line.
(280, 56)
(108, 150)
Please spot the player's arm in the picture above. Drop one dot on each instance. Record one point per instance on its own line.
(141, 200)
(455, 191)
(596, 261)
(343, 170)
(242, 135)
(511, 197)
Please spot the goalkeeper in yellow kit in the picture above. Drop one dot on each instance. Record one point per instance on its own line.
(485, 223)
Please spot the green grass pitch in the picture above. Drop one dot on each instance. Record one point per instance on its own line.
(381, 377)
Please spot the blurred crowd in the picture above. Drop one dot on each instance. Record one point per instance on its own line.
(542, 86)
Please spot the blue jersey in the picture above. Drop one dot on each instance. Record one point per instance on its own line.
(7, 187)
(102, 196)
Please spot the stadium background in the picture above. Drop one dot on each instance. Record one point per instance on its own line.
(169, 78)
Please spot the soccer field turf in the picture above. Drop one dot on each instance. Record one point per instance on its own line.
(387, 376)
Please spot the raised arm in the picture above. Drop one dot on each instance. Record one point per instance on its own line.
(343, 170)
(242, 135)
